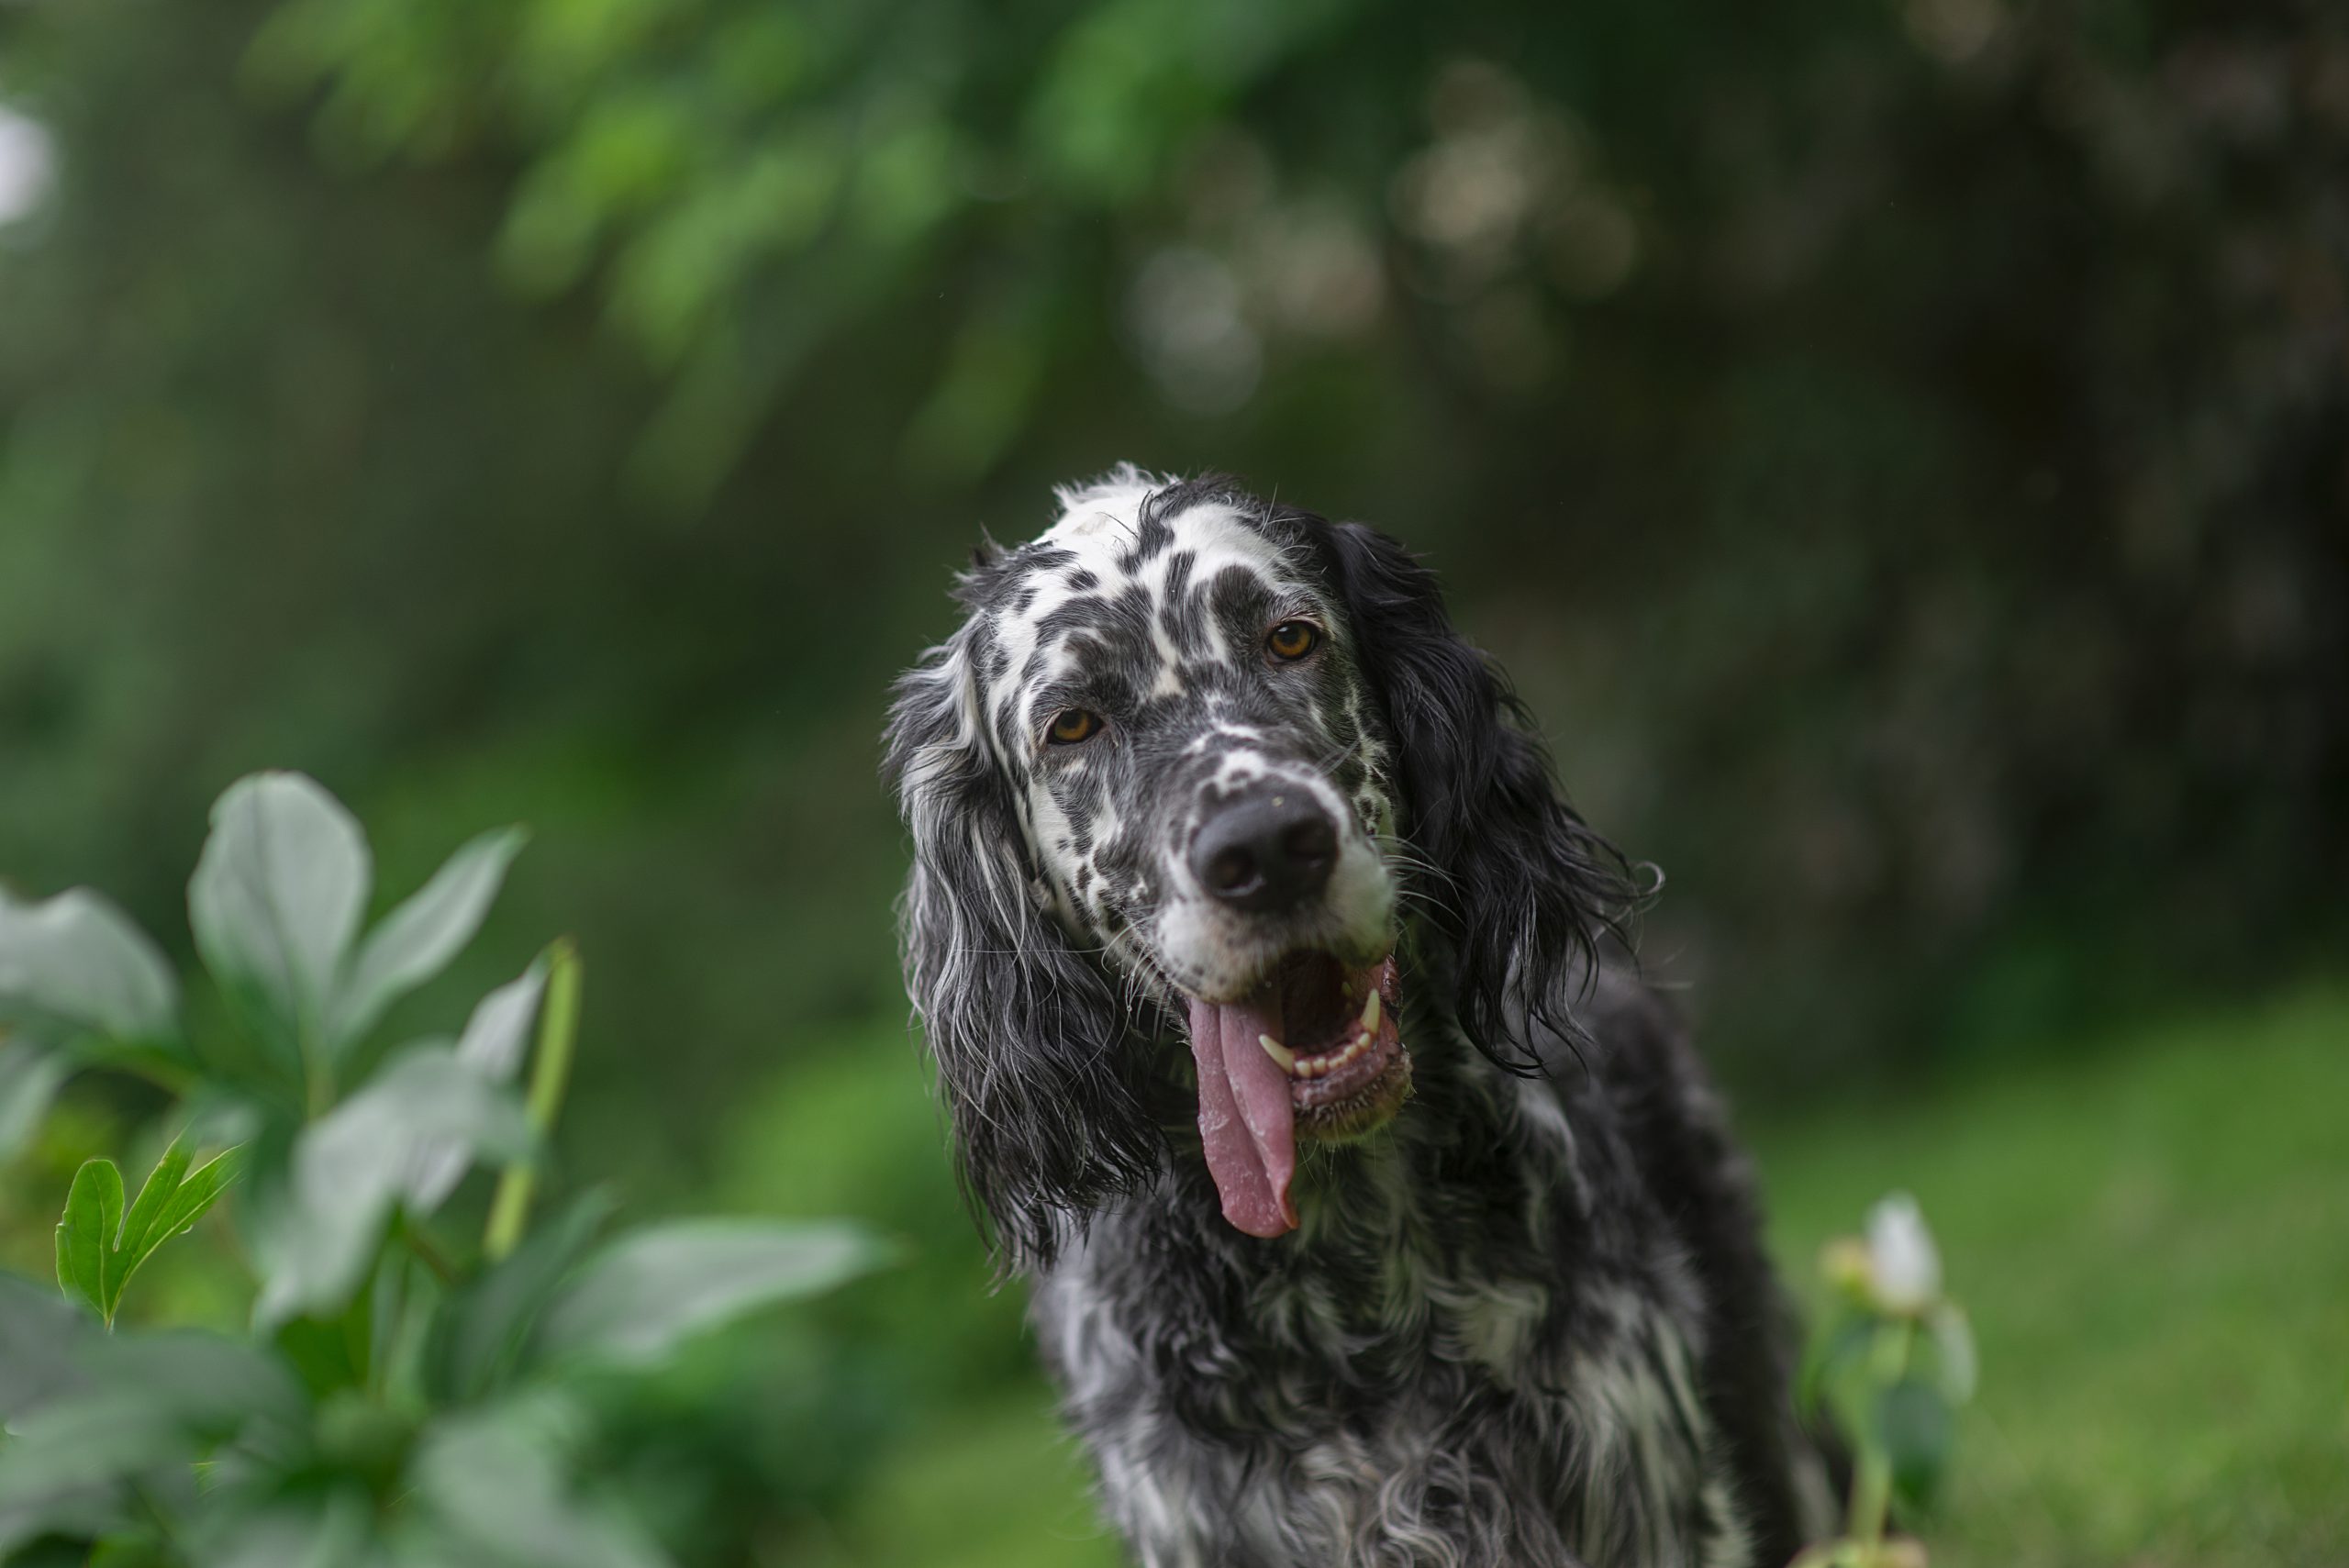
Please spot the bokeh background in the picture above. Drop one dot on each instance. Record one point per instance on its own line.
(1900, 447)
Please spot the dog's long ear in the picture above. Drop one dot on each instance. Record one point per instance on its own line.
(1028, 1036)
(1527, 887)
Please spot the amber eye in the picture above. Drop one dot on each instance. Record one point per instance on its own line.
(1292, 640)
(1072, 724)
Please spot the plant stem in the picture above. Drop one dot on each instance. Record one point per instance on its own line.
(1872, 1477)
(318, 1075)
(550, 1072)
(428, 1251)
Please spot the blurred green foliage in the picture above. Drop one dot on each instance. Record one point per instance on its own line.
(1896, 447)
(402, 1396)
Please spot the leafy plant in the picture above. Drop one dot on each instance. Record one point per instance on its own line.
(1891, 1367)
(99, 1247)
(401, 1397)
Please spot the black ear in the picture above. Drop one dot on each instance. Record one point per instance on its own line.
(1529, 887)
(1028, 1036)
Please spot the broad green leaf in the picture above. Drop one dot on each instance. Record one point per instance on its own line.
(499, 1029)
(38, 1333)
(302, 1530)
(494, 1039)
(1916, 1426)
(417, 941)
(30, 1076)
(352, 1166)
(99, 1247)
(62, 1474)
(480, 1332)
(276, 898)
(85, 1236)
(497, 1483)
(1952, 1338)
(636, 1300)
(211, 1384)
(74, 964)
(97, 1511)
(147, 1402)
(97, 1433)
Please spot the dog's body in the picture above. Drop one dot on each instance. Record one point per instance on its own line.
(1198, 760)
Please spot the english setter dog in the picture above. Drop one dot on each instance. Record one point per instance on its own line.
(1377, 1214)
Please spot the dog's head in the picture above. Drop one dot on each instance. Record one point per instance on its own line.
(1194, 768)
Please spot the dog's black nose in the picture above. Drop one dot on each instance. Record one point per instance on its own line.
(1266, 853)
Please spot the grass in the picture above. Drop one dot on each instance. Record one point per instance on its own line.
(2153, 1246)
(2153, 1242)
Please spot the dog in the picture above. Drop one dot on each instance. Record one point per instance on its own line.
(1376, 1212)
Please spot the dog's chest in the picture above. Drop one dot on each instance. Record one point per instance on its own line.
(1396, 1413)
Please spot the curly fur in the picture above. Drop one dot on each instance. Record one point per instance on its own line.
(1528, 1322)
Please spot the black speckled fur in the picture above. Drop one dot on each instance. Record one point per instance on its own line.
(1528, 1323)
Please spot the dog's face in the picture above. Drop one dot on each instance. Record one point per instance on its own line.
(1156, 784)
(1201, 783)
(1203, 792)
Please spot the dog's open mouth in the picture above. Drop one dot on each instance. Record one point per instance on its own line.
(1316, 1049)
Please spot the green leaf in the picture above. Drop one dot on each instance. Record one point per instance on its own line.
(145, 1402)
(161, 1183)
(494, 1039)
(1916, 1426)
(61, 1472)
(197, 1193)
(276, 898)
(417, 941)
(38, 1333)
(1952, 1338)
(38, 1501)
(99, 1247)
(328, 1354)
(302, 1530)
(647, 1291)
(85, 1236)
(30, 1076)
(497, 1483)
(352, 1166)
(75, 965)
(482, 1332)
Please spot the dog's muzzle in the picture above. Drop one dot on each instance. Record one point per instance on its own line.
(1312, 1047)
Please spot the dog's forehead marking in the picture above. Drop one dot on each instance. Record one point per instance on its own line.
(1109, 555)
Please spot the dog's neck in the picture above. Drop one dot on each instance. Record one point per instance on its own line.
(1464, 1168)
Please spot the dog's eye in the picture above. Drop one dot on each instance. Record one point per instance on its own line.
(1072, 724)
(1292, 640)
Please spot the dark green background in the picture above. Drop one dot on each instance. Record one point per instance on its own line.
(1898, 448)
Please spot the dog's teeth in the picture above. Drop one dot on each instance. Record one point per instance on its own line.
(1370, 1015)
(1278, 1052)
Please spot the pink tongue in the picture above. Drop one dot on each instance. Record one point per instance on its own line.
(1245, 1118)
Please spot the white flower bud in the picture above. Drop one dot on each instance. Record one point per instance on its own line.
(1906, 1270)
